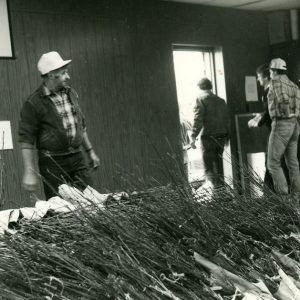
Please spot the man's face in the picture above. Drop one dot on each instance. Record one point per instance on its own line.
(260, 79)
(272, 73)
(60, 78)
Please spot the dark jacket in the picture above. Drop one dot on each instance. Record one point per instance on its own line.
(41, 125)
(211, 114)
(265, 116)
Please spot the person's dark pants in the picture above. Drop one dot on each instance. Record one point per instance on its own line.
(213, 148)
(56, 170)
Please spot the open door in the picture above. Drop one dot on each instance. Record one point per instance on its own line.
(190, 65)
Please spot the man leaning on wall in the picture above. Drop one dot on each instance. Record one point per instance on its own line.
(52, 122)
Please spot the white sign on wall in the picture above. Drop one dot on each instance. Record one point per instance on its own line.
(5, 37)
(251, 88)
(5, 136)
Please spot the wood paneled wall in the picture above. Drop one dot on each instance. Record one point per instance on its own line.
(123, 71)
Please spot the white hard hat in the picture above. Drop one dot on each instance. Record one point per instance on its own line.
(51, 61)
(278, 63)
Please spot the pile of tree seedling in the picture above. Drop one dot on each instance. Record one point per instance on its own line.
(169, 242)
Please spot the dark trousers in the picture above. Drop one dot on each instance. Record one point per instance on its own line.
(56, 170)
(213, 148)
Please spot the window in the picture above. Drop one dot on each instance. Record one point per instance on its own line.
(6, 49)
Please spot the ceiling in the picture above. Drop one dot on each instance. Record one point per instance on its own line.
(265, 5)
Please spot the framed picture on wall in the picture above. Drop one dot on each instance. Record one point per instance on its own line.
(6, 48)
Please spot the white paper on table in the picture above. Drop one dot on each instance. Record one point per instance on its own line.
(4, 219)
(30, 213)
(251, 88)
(5, 135)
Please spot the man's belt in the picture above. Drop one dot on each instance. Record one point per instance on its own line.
(68, 151)
(284, 118)
(216, 135)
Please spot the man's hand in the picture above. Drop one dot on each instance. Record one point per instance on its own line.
(192, 144)
(30, 181)
(95, 161)
(254, 121)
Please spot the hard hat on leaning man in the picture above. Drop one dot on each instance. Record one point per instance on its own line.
(278, 63)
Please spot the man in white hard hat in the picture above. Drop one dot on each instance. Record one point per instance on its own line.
(284, 110)
(263, 78)
(53, 123)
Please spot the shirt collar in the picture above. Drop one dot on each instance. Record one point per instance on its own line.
(282, 77)
(47, 92)
(205, 92)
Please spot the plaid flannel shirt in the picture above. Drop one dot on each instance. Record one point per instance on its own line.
(65, 110)
(283, 98)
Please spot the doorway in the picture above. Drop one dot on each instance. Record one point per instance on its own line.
(190, 65)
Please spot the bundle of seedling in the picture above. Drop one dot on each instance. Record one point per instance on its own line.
(163, 243)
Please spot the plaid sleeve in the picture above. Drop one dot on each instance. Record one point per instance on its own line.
(271, 101)
(280, 91)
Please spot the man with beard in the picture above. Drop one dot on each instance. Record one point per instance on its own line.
(52, 122)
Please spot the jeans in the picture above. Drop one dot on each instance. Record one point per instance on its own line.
(268, 181)
(283, 142)
(213, 148)
(56, 170)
